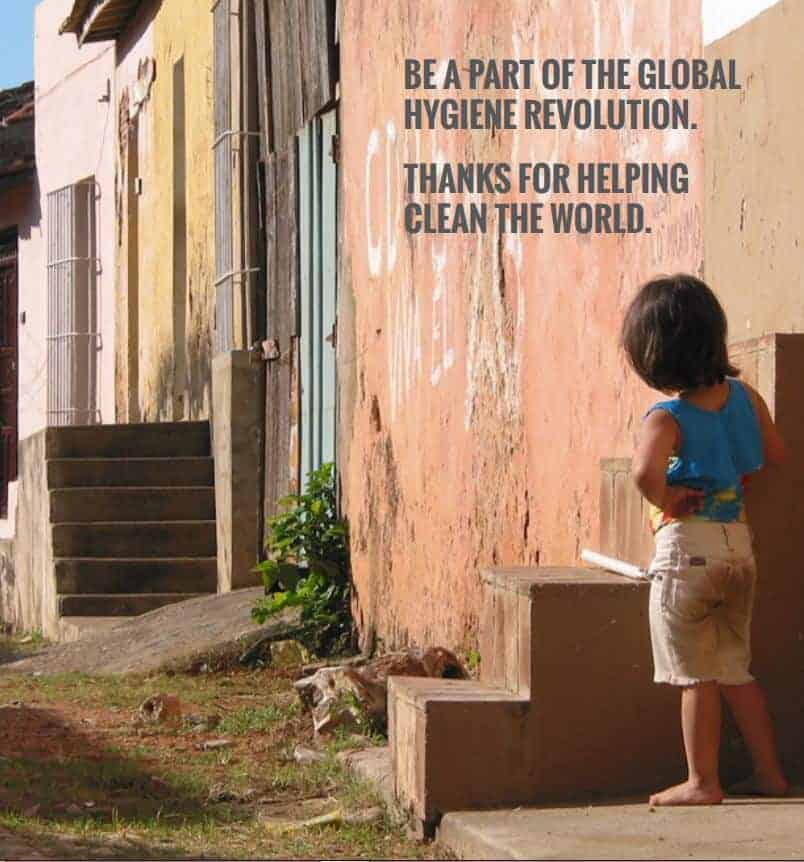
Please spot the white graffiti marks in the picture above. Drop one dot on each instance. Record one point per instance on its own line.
(443, 353)
(405, 346)
(382, 239)
(385, 153)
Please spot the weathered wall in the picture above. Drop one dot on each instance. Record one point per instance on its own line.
(481, 381)
(70, 84)
(238, 387)
(165, 288)
(27, 587)
(754, 235)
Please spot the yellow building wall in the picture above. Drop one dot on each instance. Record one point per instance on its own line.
(172, 346)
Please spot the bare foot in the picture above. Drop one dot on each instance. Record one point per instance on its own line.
(688, 793)
(756, 786)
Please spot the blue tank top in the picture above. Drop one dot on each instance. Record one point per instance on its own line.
(718, 448)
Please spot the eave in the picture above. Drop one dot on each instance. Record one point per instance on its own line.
(99, 20)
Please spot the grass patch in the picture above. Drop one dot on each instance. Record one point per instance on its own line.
(80, 780)
(255, 719)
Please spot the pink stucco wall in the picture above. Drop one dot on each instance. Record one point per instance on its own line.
(74, 128)
(481, 381)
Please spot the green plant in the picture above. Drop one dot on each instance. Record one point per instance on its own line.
(307, 564)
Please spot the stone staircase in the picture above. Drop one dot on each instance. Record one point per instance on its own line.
(132, 514)
(564, 710)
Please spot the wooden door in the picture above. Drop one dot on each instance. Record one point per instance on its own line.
(297, 72)
(8, 367)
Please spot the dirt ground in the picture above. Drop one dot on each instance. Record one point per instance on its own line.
(81, 776)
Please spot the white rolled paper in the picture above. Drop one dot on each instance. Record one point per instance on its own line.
(612, 564)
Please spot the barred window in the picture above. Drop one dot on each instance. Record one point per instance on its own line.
(73, 337)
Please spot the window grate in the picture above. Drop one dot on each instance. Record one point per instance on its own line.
(73, 337)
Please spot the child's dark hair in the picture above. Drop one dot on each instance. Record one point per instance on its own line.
(674, 335)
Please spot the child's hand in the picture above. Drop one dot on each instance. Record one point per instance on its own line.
(680, 501)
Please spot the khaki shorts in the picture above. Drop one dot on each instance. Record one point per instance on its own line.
(703, 578)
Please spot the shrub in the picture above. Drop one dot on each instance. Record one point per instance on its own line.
(307, 564)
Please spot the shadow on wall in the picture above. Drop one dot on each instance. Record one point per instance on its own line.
(35, 220)
(197, 389)
(8, 582)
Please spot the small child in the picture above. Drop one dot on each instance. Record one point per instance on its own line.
(693, 456)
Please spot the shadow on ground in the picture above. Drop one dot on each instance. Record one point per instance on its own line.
(12, 649)
(55, 774)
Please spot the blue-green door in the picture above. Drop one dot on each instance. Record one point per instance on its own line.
(317, 290)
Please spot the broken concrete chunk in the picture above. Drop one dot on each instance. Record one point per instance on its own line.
(351, 698)
(161, 709)
(332, 698)
(349, 661)
(215, 744)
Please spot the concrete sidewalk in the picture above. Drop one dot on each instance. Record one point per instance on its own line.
(738, 829)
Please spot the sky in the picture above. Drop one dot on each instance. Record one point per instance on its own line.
(16, 42)
(723, 16)
(16, 31)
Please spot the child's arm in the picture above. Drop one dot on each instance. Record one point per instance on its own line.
(772, 442)
(658, 440)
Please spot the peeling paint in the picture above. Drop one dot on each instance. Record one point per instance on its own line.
(157, 378)
(487, 381)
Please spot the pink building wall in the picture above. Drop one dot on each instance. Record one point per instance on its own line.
(481, 381)
(75, 128)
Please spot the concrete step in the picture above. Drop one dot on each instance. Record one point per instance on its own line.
(196, 471)
(116, 576)
(80, 628)
(140, 539)
(87, 505)
(119, 605)
(738, 829)
(144, 440)
(565, 684)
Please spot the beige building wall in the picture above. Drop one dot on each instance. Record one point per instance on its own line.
(754, 221)
(165, 200)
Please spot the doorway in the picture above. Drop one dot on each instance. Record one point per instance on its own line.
(9, 359)
(318, 231)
